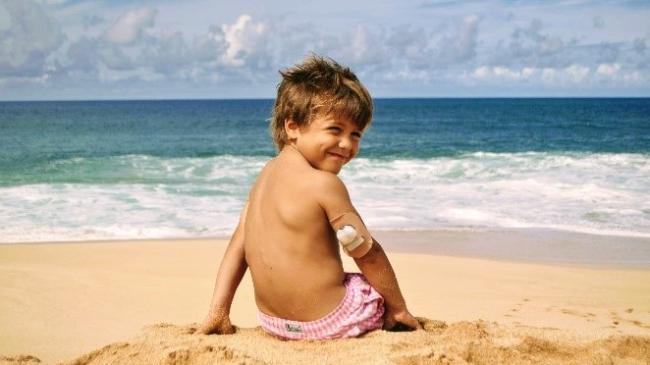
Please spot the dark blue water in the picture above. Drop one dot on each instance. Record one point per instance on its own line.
(425, 128)
(33, 134)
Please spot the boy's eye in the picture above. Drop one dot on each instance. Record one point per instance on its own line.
(337, 130)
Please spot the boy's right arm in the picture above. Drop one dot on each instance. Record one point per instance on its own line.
(231, 271)
(369, 255)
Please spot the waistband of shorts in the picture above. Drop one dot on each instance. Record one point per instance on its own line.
(346, 298)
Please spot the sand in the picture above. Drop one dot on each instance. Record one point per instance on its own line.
(138, 302)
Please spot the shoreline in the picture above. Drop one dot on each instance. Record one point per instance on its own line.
(525, 245)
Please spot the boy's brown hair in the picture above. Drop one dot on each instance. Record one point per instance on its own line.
(318, 86)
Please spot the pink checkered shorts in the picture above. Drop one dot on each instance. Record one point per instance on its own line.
(360, 311)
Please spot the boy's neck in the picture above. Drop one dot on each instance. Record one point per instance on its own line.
(291, 152)
(290, 149)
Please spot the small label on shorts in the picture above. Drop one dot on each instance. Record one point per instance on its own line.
(293, 327)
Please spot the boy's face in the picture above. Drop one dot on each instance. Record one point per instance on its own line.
(328, 142)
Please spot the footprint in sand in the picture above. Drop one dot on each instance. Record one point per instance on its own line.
(525, 300)
(519, 305)
(616, 319)
(588, 315)
(569, 312)
(509, 314)
(20, 360)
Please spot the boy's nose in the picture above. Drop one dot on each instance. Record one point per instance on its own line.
(345, 142)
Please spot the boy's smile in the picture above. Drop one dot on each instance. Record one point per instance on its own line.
(327, 143)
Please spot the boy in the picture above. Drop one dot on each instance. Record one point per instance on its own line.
(299, 212)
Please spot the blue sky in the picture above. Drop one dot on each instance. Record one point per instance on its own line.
(121, 49)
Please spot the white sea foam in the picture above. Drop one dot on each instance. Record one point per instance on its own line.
(541, 190)
(152, 197)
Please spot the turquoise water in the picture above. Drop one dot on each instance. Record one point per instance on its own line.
(143, 169)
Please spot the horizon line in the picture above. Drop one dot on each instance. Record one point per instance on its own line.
(374, 98)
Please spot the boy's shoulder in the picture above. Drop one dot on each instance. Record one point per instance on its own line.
(314, 181)
(327, 185)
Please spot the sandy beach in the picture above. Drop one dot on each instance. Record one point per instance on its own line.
(139, 301)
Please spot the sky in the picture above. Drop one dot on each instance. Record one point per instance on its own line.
(201, 49)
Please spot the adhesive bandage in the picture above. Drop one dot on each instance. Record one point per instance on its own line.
(352, 234)
(349, 238)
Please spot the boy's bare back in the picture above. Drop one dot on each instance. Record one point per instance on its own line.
(291, 250)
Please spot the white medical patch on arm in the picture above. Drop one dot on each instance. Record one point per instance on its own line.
(349, 238)
(352, 234)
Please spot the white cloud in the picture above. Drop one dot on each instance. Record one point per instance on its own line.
(528, 72)
(466, 41)
(481, 72)
(505, 72)
(459, 43)
(633, 77)
(361, 47)
(549, 45)
(241, 38)
(548, 74)
(450, 44)
(529, 45)
(27, 37)
(462, 45)
(359, 43)
(208, 47)
(501, 72)
(609, 70)
(129, 27)
(573, 74)
(576, 73)
(406, 75)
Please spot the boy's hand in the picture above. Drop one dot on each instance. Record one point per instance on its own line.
(400, 320)
(219, 324)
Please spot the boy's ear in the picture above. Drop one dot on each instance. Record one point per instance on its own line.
(291, 128)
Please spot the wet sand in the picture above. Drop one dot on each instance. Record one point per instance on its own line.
(544, 246)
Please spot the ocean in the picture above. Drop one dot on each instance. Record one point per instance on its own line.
(89, 170)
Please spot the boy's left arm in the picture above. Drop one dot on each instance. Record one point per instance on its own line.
(366, 251)
(380, 274)
(231, 271)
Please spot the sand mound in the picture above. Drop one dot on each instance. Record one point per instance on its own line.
(477, 342)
